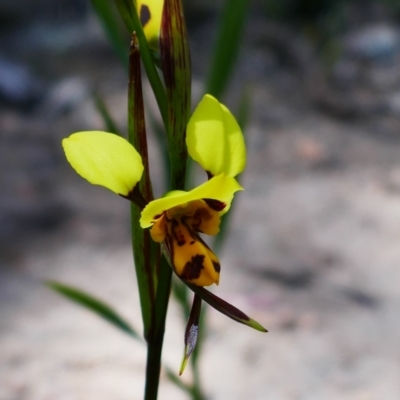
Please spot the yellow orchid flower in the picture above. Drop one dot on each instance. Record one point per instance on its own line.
(177, 219)
(104, 159)
(150, 14)
(215, 140)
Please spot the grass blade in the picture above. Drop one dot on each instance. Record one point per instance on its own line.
(227, 46)
(106, 12)
(93, 304)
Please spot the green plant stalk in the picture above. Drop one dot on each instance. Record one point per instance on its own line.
(130, 17)
(108, 18)
(144, 249)
(155, 341)
(156, 305)
(178, 108)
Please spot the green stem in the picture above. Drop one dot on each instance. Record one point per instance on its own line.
(155, 341)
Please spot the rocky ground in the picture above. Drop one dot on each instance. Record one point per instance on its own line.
(313, 252)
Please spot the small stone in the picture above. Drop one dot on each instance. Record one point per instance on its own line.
(375, 42)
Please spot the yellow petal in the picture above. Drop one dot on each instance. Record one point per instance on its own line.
(191, 258)
(159, 230)
(150, 14)
(214, 138)
(204, 219)
(220, 188)
(104, 159)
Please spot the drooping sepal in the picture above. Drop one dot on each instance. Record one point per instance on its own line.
(104, 159)
(191, 332)
(225, 308)
(215, 140)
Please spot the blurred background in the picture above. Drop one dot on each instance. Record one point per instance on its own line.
(313, 251)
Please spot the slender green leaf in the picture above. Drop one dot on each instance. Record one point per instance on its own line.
(227, 46)
(109, 123)
(97, 306)
(225, 308)
(108, 18)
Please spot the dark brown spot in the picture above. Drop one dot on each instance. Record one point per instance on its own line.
(209, 175)
(217, 266)
(158, 216)
(201, 214)
(180, 239)
(189, 227)
(169, 245)
(192, 242)
(192, 269)
(145, 15)
(215, 204)
(176, 232)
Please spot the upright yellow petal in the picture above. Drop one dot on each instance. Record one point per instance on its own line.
(214, 138)
(220, 188)
(150, 14)
(104, 159)
(236, 147)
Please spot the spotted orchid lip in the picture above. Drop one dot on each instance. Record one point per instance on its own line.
(190, 257)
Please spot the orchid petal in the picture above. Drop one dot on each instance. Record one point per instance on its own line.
(220, 188)
(215, 140)
(104, 159)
